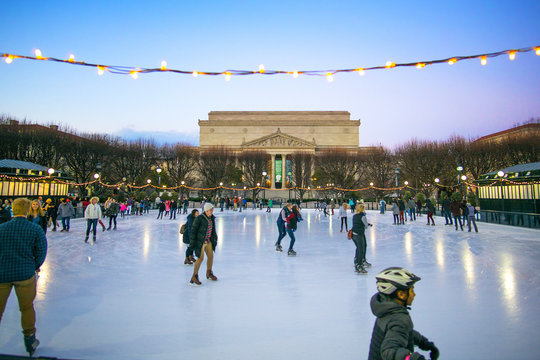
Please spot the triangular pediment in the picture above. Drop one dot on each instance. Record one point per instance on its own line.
(280, 140)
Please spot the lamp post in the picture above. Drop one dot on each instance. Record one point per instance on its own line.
(50, 171)
(96, 177)
(396, 171)
(159, 170)
(459, 170)
(264, 173)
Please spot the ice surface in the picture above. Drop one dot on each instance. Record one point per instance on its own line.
(127, 296)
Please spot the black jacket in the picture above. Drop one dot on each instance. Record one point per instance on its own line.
(358, 226)
(5, 215)
(42, 222)
(198, 233)
(187, 230)
(393, 335)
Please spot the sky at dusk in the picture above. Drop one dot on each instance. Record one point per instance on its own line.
(394, 105)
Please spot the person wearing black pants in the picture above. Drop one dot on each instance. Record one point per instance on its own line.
(342, 214)
(189, 251)
(456, 213)
(281, 220)
(112, 212)
(161, 208)
(292, 224)
(360, 224)
(174, 207)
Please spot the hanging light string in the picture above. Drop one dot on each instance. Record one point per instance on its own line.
(329, 74)
(46, 179)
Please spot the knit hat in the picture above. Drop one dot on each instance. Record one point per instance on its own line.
(208, 206)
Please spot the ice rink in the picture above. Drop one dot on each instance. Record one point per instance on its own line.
(127, 296)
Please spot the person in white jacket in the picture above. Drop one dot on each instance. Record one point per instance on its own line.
(92, 214)
(342, 214)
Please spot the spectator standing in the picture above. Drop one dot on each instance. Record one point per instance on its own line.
(92, 214)
(65, 211)
(470, 217)
(456, 213)
(23, 246)
(37, 216)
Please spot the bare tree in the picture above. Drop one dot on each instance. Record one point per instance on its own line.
(216, 165)
(180, 162)
(379, 169)
(302, 166)
(253, 163)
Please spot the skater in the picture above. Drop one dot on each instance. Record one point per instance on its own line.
(269, 209)
(463, 207)
(430, 212)
(23, 246)
(325, 209)
(112, 213)
(52, 213)
(65, 211)
(456, 213)
(123, 209)
(352, 205)
(167, 207)
(281, 221)
(401, 207)
(332, 206)
(412, 209)
(37, 216)
(419, 207)
(393, 335)
(187, 231)
(395, 211)
(161, 208)
(92, 214)
(292, 224)
(470, 217)
(360, 224)
(383, 206)
(446, 211)
(203, 239)
(185, 203)
(174, 207)
(342, 214)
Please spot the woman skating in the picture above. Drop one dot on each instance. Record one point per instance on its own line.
(292, 224)
(360, 224)
(187, 231)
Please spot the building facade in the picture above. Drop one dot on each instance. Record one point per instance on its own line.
(280, 134)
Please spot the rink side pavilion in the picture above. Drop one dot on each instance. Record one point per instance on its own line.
(280, 134)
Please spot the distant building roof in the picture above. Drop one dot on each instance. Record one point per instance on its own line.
(519, 172)
(17, 164)
(522, 130)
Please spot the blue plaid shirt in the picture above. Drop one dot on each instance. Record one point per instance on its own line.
(23, 247)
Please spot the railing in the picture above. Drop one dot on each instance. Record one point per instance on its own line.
(510, 218)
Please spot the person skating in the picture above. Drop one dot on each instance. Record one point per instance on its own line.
(430, 211)
(281, 221)
(203, 239)
(359, 226)
(23, 248)
(52, 213)
(112, 213)
(447, 211)
(92, 214)
(470, 217)
(401, 207)
(161, 208)
(342, 214)
(395, 212)
(412, 209)
(393, 335)
(173, 207)
(456, 213)
(65, 211)
(291, 225)
(383, 206)
(185, 237)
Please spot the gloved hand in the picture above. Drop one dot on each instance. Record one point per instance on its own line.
(417, 356)
(434, 352)
(369, 224)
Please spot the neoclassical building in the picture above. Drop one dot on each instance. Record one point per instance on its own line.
(279, 133)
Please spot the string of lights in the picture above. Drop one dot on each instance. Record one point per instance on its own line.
(329, 74)
(326, 188)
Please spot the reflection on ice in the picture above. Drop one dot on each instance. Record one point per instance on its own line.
(440, 253)
(468, 265)
(508, 283)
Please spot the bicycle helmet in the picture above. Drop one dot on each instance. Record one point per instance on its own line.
(395, 278)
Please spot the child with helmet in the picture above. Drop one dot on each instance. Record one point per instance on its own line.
(393, 335)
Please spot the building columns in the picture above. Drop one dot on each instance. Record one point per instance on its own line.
(273, 171)
(284, 171)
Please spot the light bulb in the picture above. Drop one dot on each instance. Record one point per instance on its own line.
(163, 65)
(295, 74)
(538, 51)
(9, 59)
(329, 77)
(101, 70)
(361, 72)
(71, 58)
(420, 65)
(227, 76)
(390, 64)
(452, 61)
(261, 69)
(38, 53)
(134, 74)
(483, 60)
(195, 74)
(512, 55)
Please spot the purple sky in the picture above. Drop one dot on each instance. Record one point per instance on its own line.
(394, 105)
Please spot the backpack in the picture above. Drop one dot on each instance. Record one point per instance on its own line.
(182, 228)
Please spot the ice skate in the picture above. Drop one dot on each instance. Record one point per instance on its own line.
(86, 239)
(188, 262)
(291, 252)
(195, 281)
(31, 344)
(192, 259)
(366, 264)
(210, 275)
(360, 269)
(94, 239)
(279, 248)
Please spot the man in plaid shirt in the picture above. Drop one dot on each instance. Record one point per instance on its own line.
(23, 247)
